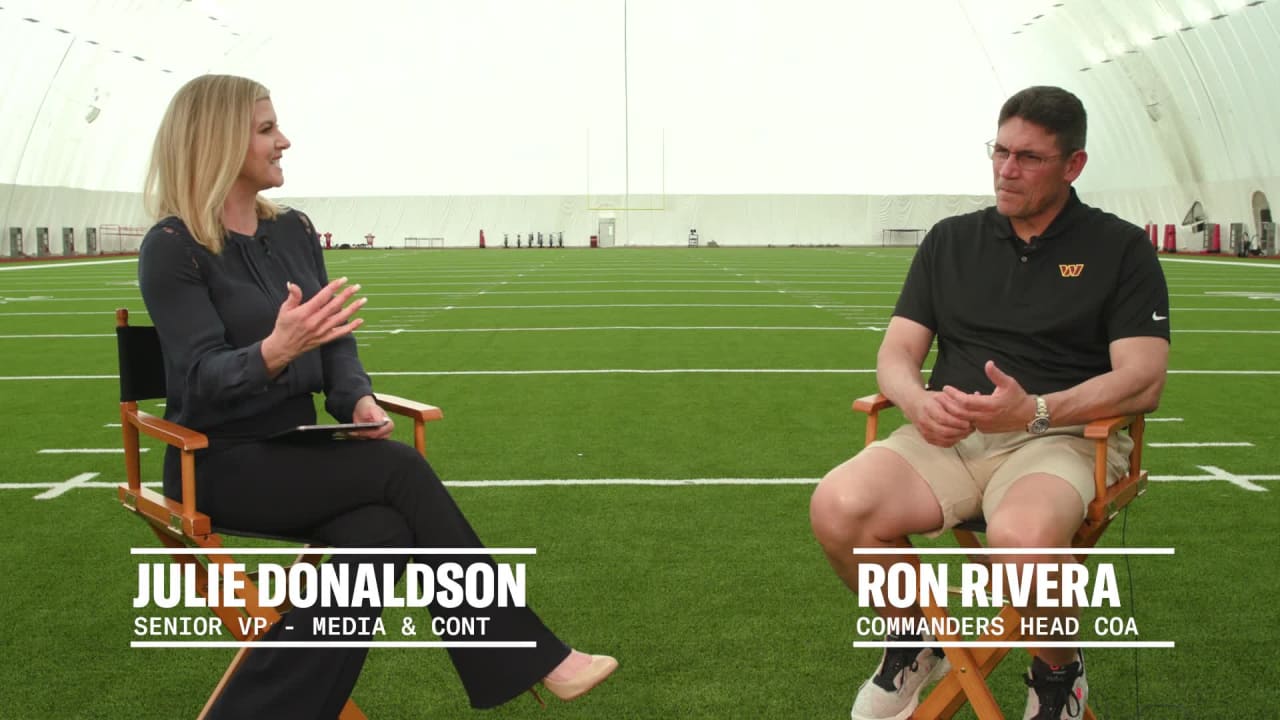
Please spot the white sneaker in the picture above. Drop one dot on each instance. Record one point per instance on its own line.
(894, 691)
(1056, 693)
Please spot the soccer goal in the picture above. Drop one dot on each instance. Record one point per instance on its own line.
(901, 237)
(113, 239)
(422, 243)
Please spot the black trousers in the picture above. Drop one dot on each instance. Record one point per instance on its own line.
(355, 493)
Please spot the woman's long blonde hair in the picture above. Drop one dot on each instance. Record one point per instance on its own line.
(198, 152)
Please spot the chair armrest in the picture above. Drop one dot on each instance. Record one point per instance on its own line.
(1104, 428)
(1100, 429)
(164, 513)
(173, 434)
(408, 408)
(1107, 501)
(872, 404)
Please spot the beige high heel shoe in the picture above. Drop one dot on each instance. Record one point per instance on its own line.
(601, 667)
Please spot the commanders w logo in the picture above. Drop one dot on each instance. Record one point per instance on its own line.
(1071, 270)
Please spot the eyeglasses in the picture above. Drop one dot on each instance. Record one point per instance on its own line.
(1026, 161)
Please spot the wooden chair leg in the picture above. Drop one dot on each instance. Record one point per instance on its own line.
(236, 662)
(972, 686)
(949, 695)
(351, 711)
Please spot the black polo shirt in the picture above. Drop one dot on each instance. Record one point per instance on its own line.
(1045, 311)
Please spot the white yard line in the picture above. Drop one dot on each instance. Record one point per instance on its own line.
(609, 328)
(631, 371)
(578, 328)
(56, 489)
(63, 264)
(628, 371)
(85, 451)
(585, 306)
(126, 298)
(1197, 444)
(610, 306)
(1224, 372)
(1225, 332)
(1212, 474)
(23, 378)
(1259, 264)
(52, 336)
(600, 291)
(841, 281)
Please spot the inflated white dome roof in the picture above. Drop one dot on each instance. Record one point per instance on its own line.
(714, 97)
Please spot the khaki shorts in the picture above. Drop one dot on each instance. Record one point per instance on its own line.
(970, 478)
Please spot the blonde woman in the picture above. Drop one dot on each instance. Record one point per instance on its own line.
(251, 326)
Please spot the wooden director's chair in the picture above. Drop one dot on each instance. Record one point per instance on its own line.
(181, 524)
(971, 667)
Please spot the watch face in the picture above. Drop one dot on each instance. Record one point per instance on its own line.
(1038, 425)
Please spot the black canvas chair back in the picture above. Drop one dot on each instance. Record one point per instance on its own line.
(141, 363)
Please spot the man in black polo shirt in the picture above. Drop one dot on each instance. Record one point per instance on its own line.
(1048, 314)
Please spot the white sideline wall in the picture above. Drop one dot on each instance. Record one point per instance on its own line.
(737, 220)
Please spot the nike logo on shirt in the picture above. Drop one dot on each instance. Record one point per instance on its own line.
(1158, 317)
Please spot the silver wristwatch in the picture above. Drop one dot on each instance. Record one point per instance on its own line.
(1040, 422)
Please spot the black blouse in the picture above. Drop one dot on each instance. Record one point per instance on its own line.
(212, 313)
